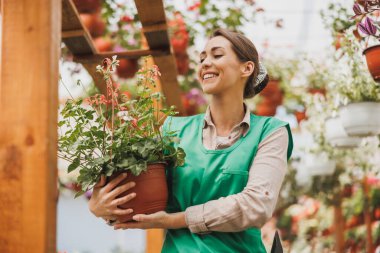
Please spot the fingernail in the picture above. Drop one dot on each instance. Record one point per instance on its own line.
(130, 210)
(134, 194)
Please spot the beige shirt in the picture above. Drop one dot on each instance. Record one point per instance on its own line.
(254, 206)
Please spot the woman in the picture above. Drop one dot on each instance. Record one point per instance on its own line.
(235, 162)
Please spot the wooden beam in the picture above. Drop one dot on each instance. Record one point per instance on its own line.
(74, 34)
(170, 86)
(153, 20)
(130, 54)
(155, 237)
(30, 52)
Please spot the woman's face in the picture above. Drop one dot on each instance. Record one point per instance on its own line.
(219, 68)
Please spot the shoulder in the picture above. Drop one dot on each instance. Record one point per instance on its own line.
(274, 131)
(267, 125)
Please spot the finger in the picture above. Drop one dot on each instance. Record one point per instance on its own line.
(141, 217)
(128, 225)
(120, 189)
(109, 217)
(101, 182)
(123, 200)
(121, 212)
(114, 182)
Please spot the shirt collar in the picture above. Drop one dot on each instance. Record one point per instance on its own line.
(246, 122)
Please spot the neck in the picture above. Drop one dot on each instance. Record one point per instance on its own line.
(226, 112)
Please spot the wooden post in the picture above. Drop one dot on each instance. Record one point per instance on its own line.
(30, 51)
(155, 239)
(367, 217)
(339, 227)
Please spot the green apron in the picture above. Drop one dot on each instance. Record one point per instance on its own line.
(211, 174)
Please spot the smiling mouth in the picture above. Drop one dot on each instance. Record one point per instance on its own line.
(209, 76)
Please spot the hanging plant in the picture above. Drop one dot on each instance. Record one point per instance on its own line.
(371, 29)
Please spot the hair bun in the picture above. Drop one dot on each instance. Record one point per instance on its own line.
(258, 88)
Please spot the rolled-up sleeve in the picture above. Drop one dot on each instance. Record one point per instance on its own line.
(254, 206)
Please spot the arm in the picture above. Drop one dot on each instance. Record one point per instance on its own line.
(255, 204)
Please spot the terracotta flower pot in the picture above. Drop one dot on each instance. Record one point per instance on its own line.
(87, 6)
(103, 44)
(314, 91)
(266, 108)
(182, 61)
(94, 23)
(338, 41)
(273, 92)
(151, 191)
(190, 106)
(127, 68)
(377, 213)
(372, 55)
(300, 115)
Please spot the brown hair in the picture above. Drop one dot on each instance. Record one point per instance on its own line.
(245, 50)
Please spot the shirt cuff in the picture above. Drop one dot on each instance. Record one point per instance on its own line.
(195, 221)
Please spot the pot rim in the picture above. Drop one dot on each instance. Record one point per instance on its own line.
(371, 47)
(361, 102)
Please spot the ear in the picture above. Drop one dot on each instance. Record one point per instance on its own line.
(247, 68)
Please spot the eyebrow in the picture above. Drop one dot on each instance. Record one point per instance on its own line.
(212, 49)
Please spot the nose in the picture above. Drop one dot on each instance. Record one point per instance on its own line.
(206, 63)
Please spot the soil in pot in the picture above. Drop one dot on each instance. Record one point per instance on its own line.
(151, 191)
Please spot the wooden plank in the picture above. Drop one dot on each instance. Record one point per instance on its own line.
(70, 16)
(153, 20)
(170, 86)
(79, 45)
(339, 227)
(151, 13)
(129, 54)
(74, 34)
(28, 125)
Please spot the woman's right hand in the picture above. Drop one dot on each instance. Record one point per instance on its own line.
(104, 202)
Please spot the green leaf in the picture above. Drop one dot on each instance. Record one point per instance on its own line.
(73, 165)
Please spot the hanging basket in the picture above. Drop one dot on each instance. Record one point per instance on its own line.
(151, 191)
(337, 136)
(319, 164)
(372, 55)
(361, 119)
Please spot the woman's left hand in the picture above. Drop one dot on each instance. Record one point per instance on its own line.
(156, 220)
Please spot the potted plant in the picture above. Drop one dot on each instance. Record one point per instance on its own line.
(111, 135)
(359, 94)
(371, 29)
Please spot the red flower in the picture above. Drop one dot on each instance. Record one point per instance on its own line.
(194, 6)
(134, 122)
(126, 19)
